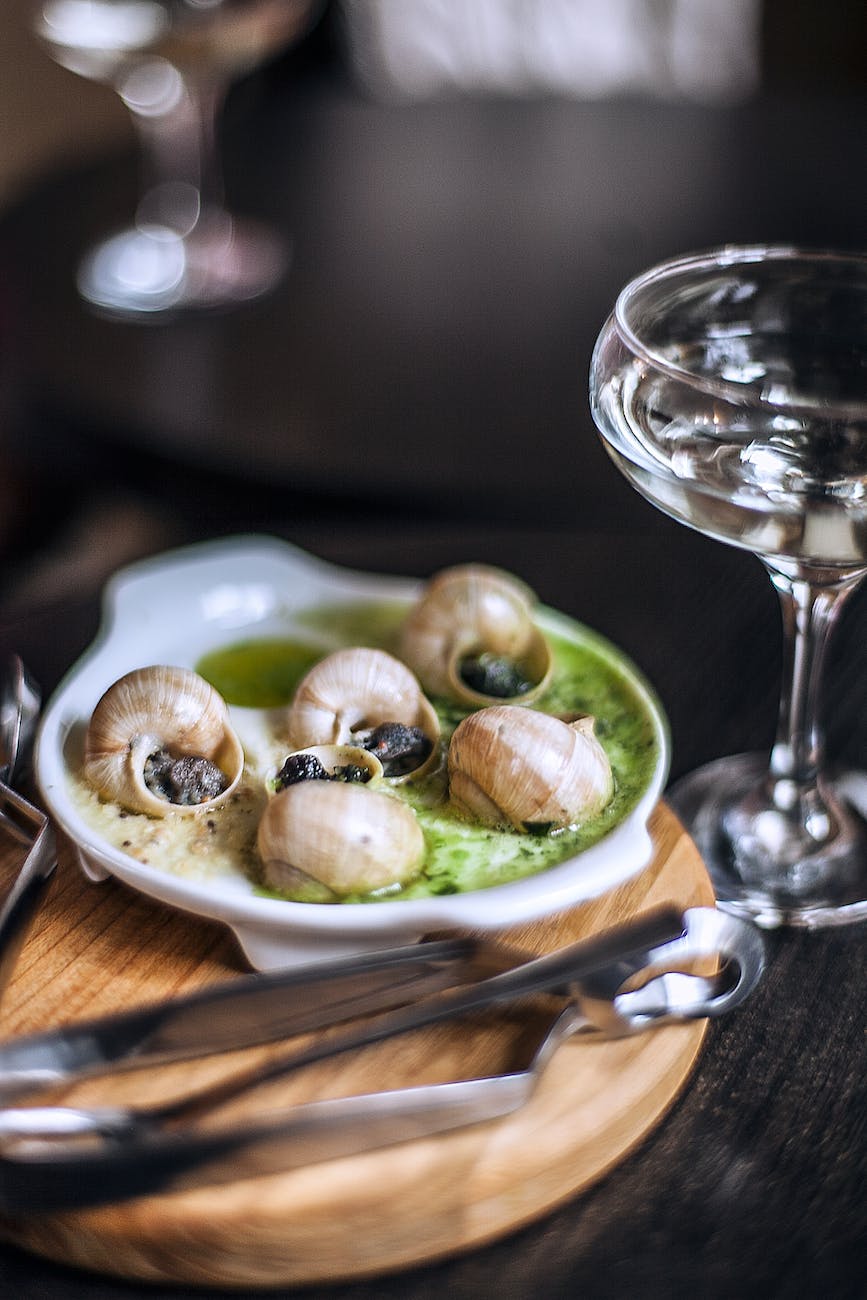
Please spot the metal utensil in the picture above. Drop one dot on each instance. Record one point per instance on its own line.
(45, 1166)
(248, 1010)
(54, 1153)
(19, 709)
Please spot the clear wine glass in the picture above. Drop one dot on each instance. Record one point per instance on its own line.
(171, 62)
(730, 388)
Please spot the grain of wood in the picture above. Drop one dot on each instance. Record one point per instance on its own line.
(100, 947)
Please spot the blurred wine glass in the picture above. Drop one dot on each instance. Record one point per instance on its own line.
(171, 62)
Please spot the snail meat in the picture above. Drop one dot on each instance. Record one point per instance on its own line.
(494, 675)
(351, 772)
(349, 764)
(400, 749)
(190, 779)
(305, 766)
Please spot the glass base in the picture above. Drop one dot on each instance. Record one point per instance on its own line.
(763, 863)
(150, 270)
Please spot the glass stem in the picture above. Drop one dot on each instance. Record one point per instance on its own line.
(208, 98)
(176, 122)
(809, 611)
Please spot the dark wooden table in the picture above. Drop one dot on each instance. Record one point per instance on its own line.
(416, 395)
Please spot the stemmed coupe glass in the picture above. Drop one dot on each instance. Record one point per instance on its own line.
(171, 62)
(730, 388)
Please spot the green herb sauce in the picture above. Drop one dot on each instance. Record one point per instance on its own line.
(258, 674)
(463, 856)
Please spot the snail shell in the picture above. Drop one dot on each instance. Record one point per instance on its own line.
(320, 841)
(352, 691)
(469, 610)
(517, 767)
(151, 709)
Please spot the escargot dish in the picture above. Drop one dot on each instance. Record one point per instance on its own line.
(160, 740)
(515, 767)
(471, 638)
(334, 760)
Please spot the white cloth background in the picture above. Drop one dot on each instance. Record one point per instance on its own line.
(680, 49)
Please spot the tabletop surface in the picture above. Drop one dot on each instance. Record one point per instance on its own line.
(413, 396)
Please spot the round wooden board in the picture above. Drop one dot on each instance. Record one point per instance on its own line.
(99, 947)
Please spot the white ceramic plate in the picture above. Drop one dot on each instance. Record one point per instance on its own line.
(176, 607)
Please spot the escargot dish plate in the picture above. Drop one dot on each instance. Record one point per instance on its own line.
(251, 617)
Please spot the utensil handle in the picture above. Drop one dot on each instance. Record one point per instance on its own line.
(668, 993)
(624, 947)
(18, 817)
(23, 900)
(252, 1009)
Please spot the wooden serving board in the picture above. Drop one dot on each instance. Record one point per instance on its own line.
(97, 948)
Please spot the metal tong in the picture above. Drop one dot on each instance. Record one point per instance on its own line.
(624, 981)
(28, 825)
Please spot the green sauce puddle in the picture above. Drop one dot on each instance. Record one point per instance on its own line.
(461, 856)
(258, 674)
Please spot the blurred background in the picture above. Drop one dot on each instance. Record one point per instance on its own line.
(49, 117)
(465, 186)
(465, 189)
